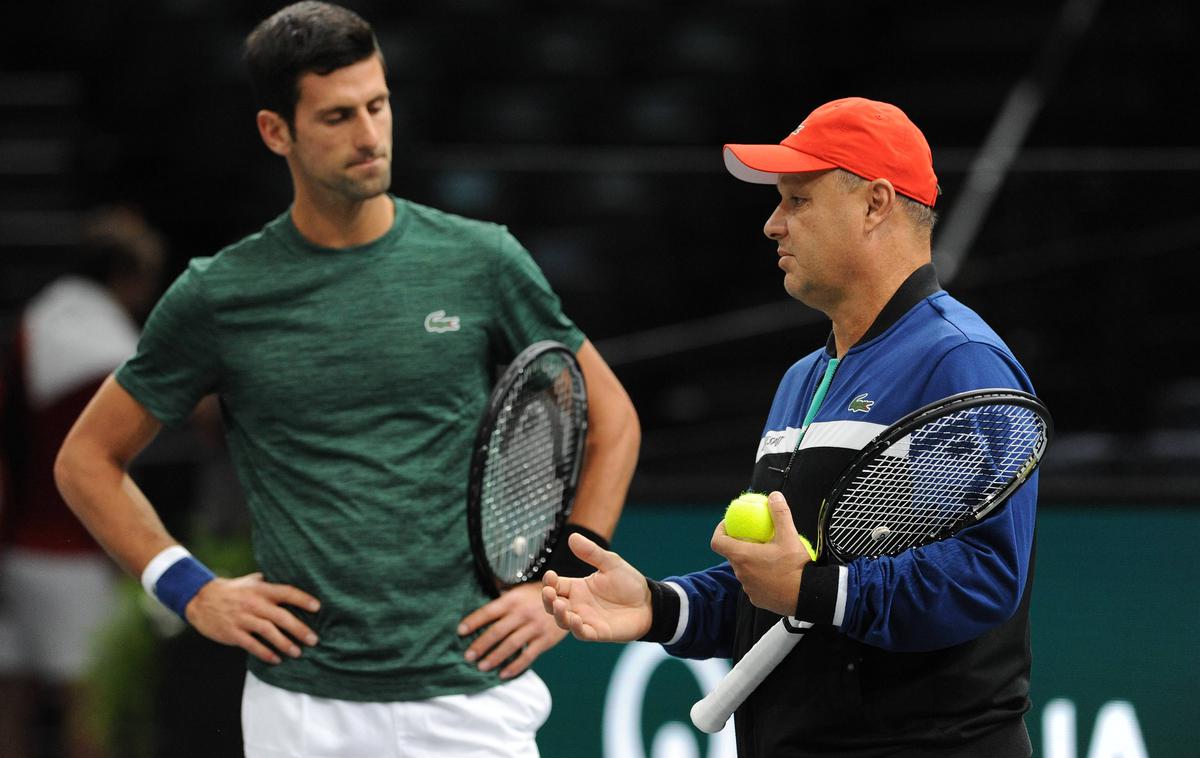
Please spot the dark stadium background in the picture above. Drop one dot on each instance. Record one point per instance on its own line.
(593, 130)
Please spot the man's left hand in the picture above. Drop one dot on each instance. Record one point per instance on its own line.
(769, 572)
(518, 624)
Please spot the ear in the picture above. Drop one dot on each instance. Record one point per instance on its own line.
(881, 201)
(274, 132)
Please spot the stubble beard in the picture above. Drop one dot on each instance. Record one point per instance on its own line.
(343, 185)
(359, 190)
(799, 288)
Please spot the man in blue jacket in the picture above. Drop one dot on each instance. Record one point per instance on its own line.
(921, 654)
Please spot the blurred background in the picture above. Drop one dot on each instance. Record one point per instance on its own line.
(1062, 140)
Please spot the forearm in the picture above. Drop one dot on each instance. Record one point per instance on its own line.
(948, 592)
(111, 505)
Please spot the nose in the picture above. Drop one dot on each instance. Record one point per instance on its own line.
(368, 133)
(775, 228)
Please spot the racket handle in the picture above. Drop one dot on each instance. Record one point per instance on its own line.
(710, 713)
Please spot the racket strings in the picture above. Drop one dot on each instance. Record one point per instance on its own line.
(525, 476)
(926, 483)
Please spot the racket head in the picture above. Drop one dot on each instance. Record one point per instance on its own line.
(525, 465)
(932, 473)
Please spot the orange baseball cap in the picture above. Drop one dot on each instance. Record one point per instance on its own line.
(868, 138)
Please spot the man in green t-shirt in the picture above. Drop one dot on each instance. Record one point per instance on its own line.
(352, 343)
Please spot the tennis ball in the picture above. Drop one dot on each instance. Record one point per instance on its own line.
(749, 518)
(812, 554)
(518, 546)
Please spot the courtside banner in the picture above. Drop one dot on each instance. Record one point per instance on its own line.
(1115, 659)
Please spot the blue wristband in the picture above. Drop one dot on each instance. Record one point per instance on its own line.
(180, 583)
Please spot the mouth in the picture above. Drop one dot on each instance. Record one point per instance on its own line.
(783, 257)
(372, 161)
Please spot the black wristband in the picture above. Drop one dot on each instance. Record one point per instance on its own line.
(817, 598)
(664, 612)
(565, 563)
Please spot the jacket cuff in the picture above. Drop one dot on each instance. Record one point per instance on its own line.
(822, 594)
(664, 610)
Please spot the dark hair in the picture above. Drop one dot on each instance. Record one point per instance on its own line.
(305, 37)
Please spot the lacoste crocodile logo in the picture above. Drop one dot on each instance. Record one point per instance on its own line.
(861, 404)
(438, 322)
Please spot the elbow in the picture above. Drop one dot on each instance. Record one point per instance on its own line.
(997, 592)
(73, 471)
(64, 470)
(1007, 602)
(618, 429)
(631, 427)
(982, 611)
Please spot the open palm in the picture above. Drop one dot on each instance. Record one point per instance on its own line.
(610, 605)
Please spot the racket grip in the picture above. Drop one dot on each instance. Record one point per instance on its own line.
(710, 713)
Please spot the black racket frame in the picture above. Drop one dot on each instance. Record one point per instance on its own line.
(482, 448)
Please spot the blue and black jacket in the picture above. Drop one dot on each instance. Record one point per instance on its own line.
(925, 653)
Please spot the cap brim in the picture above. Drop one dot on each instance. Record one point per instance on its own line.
(762, 164)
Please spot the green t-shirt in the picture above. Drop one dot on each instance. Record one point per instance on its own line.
(352, 382)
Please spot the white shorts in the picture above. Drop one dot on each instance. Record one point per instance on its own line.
(51, 609)
(500, 722)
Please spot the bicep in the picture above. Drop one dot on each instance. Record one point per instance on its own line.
(114, 425)
(607, 398)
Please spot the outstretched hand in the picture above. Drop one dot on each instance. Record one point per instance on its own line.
(233, 611)
(770, 571)
(610, 605)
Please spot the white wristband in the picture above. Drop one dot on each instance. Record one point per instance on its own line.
(159, 564)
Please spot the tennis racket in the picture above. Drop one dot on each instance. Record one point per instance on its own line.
(934, 472)
(525, 465)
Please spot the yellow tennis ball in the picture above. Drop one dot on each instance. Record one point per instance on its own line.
(749, 518)
(812, 554)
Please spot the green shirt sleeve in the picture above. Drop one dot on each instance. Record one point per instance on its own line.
(527, 309)
(176, 362)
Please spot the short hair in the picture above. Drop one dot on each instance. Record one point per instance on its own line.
(924, 216)
(303, 38)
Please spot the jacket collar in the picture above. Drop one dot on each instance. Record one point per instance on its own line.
(919, 285)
